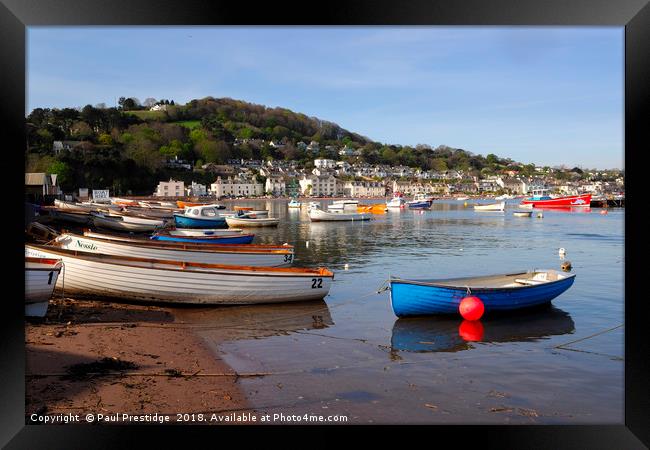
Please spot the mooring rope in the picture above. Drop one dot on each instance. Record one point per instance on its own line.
(589, 337)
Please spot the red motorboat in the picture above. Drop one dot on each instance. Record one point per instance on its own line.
(541, 198)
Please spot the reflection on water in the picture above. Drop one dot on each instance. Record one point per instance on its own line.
(255, 321)
(339, 362)
(443, 334)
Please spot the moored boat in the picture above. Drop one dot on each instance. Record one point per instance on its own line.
(218, 239)
(318, 215)
(201, 232)
(204, 216)
(149, 280)
(491, 207)
(120, 223)
(68, 215)
(497, 292)
(235, 255)
(207, 241)
(182, 204)
(541, 198)
(250, 220)
(294, 203)
(396, 202)
(377, 208)
(41, 275)
(420, 201)
(522, 213)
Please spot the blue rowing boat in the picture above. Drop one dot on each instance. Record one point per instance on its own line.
(240, 239)
(183, 221)
(498, 292)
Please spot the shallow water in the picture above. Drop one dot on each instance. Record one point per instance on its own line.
(350, 355)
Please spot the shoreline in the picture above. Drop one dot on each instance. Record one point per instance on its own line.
(89, 357)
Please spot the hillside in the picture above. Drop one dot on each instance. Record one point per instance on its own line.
(126, 148)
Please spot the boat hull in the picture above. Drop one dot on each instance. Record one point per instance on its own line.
(252, 222)
(146, 281)
(493, 207)
(573, 200)
(191, 222)
(241, 239)
(317, 215)
(40, 280)
(411, 298)
(114, 223)
(239, 257)
(419, 205)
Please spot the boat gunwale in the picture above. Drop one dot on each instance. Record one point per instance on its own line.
(436, 282)
(195, 248)
(182, 265)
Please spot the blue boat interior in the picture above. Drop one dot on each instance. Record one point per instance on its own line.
(514, 280)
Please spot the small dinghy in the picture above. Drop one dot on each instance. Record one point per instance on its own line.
(294, 203)
(497, 292)
(491, 207)
(251, 220)
(125, 223)
(336, 215)
(522, 213)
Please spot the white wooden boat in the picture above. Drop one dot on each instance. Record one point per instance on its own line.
(396, 202)
(522, 213)
(350, 205)
(41, 275)
(254, 213)
(137, 219)
(119, 224)
(462, 199)
(152, 213)
(491, 207)
(87, 207)
(149, 280)
(318, 215)
(239, 256)
(294, 203)
(189, 232)
(246, 221)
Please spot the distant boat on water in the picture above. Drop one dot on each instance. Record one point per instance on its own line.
(491, 207)
(541, 198)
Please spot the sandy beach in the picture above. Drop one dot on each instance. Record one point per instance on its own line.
(110, 358)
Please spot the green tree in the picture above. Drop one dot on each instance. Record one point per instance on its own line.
(63, 172)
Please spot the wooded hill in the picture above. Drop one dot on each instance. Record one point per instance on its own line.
(127, 148)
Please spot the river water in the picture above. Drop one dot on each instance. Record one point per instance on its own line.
(350, 355)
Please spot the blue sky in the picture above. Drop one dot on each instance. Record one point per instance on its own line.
(547, 95)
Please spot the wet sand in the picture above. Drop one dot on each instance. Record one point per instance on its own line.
(106, 358)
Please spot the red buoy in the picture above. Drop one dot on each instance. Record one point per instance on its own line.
(471, 330)
(471, 308)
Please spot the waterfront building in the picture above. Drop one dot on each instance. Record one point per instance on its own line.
(237, 186)
(363, 189)
(197, 189)
(276, 186)
(170, 188)
(318, 186)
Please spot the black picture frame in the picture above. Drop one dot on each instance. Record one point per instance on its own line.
(634, 15)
